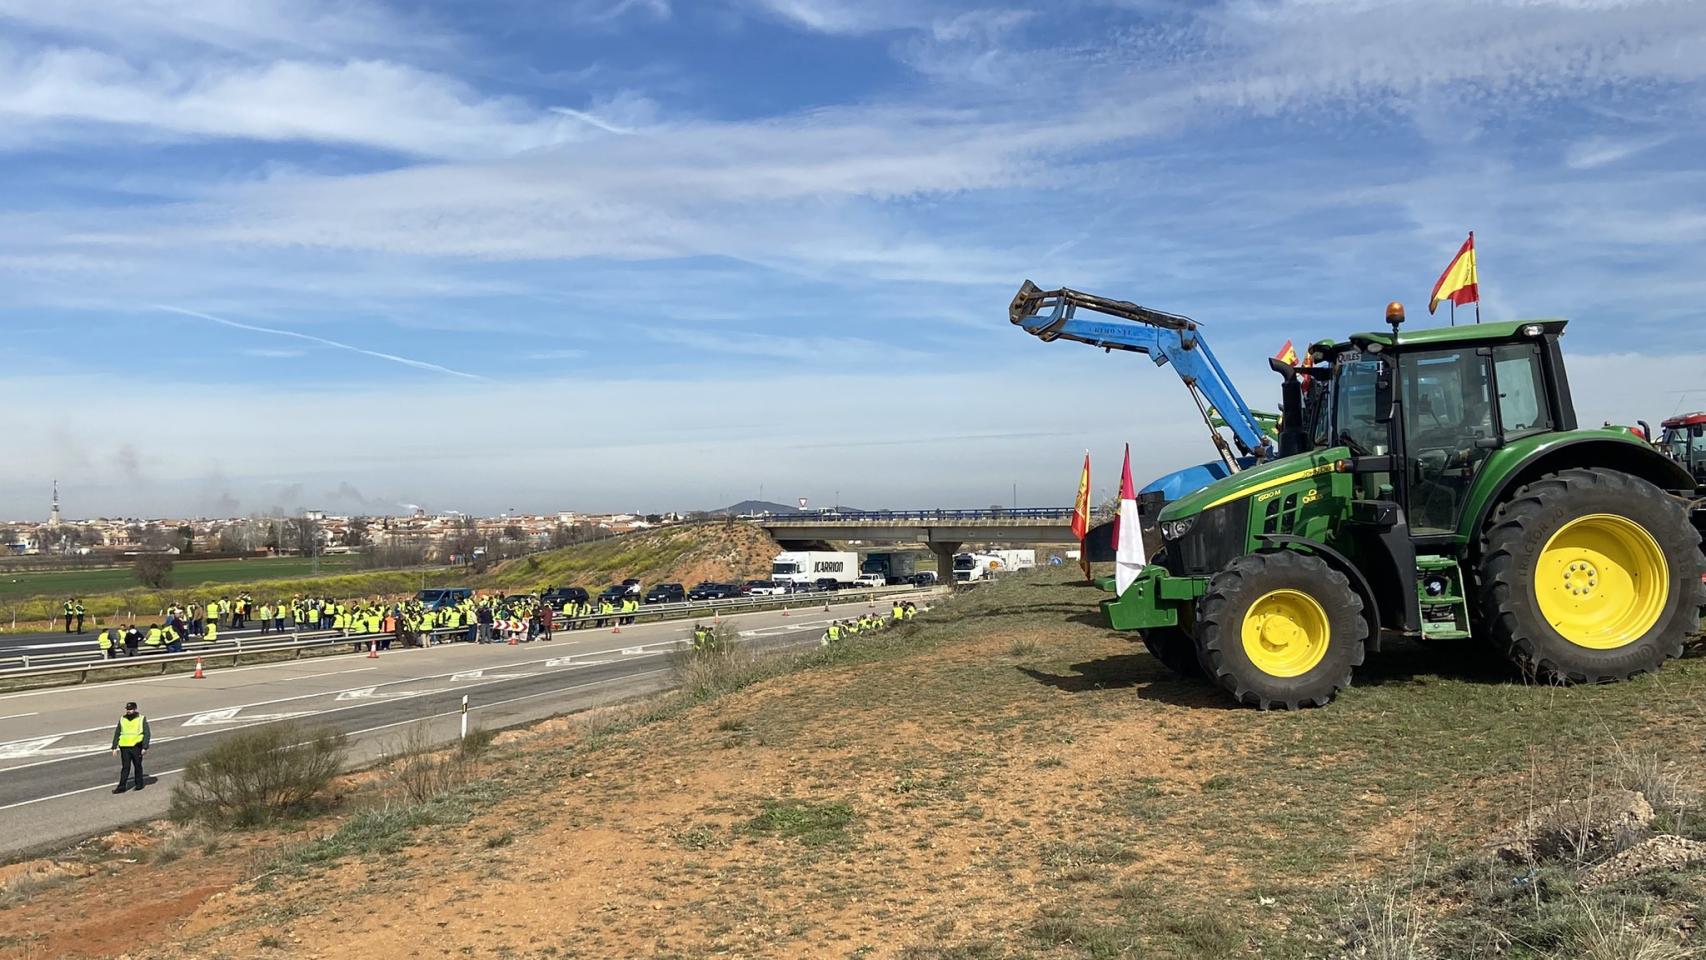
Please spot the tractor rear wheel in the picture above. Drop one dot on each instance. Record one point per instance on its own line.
(1589, 576)
(1281, 629)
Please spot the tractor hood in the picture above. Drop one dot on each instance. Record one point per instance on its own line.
(1248, 483)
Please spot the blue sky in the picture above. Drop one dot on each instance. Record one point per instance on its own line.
(642, 254)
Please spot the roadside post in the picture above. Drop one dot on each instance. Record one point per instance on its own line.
(464, 716)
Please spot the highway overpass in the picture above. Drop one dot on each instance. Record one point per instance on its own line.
(941, 531)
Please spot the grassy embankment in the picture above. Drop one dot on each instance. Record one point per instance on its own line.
(1004, 778)
(687, 553)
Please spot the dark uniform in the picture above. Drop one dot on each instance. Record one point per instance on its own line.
(130, 742)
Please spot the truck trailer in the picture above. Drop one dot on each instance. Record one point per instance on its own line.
(810, 566)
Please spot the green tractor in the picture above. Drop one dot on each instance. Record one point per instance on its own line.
(1436, 487)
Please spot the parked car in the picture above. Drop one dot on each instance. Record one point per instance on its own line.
(826, 584)
(666, 593)
(896, 581)
(713, 591)
(559, 598)
(615, 594)
(926, 578)
(766, 588)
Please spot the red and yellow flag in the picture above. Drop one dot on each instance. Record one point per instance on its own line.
(1287, 354)
(1081, 516)
(1081, 506)
(1458, 282)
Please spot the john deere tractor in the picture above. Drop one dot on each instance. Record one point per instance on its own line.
(1436, 487)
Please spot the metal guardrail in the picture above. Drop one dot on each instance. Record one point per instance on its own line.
(80, 663)
(831, 516)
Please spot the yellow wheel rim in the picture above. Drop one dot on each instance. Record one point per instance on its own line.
(1285, 633)
(1602, 581)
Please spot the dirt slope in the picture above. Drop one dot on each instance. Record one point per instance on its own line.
(684, 554)
(1003, 779)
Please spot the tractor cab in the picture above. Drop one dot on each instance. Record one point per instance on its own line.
(1684, 440)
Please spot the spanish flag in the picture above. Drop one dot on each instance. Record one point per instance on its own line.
(1081, 516)
(1287, 354)
(1458, 282)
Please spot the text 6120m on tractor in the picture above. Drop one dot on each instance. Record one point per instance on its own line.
(1438, 488)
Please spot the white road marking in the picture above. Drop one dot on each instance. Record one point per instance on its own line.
(17, 716)
(229, 715)
(630, 651)
(357, 733)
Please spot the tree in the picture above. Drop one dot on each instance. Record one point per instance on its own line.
(184, 540)
(231, 539)
(154, 569)
(512, 532)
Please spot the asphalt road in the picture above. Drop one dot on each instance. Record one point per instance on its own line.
(56, 772)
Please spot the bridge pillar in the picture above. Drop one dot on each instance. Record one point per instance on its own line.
(944, 561)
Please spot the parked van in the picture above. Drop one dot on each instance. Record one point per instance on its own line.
(440, 597)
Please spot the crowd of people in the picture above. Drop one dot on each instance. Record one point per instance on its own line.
(409, 623)
(839, 630)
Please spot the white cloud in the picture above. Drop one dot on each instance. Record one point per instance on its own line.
(370, 103)
(239, 26)
(1598, 151)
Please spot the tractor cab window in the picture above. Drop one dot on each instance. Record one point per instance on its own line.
(1522, 390)
(1354, 423)
(1448, 431)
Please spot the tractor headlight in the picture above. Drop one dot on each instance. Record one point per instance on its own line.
(1533, 330)
(1174, 529)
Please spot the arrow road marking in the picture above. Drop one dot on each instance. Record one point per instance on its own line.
(229, 715)
(373, 693)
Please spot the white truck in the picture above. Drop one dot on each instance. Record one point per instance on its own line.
(970, 567)
(879, 569)
(1007, 561)
(810, 566)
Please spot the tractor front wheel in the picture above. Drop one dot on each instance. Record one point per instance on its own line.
(1589, 576)
(1281, 629)
(1175, 649)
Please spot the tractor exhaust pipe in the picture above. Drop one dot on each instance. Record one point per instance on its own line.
(1294, 435)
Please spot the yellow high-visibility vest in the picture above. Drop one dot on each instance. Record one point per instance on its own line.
(130, 730)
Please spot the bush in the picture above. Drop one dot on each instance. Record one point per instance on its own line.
(154, 569)
(259, 774)
(424, 773)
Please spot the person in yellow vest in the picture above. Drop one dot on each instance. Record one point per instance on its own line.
(211, 634)
(108, 650)
(130, 742)
(898, 612)
(154, 641)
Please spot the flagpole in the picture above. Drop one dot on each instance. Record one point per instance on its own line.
(1477, 280)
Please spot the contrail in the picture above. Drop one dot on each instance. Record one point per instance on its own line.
(593, 120)
(405, 361)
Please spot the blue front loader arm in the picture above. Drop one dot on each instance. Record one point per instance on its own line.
(1165, 337)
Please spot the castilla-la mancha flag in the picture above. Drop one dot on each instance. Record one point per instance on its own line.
(1081, 516)
(1129, 555)
(1458, 283)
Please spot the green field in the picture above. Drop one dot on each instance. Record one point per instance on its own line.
(187, 573)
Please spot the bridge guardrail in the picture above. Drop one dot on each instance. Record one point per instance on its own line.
(46, 665)
(1019, 513)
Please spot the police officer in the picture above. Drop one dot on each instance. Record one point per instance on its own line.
(130, 742)
(69, 607)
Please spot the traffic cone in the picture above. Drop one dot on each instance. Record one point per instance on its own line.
(373, 649)
(512, 640)
(617, 628)
(198, 674)
(784, 611)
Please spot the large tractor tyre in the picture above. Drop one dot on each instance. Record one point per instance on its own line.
(1281, 629)
(1173, 646)
(1589, 576)
(1175, 649)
